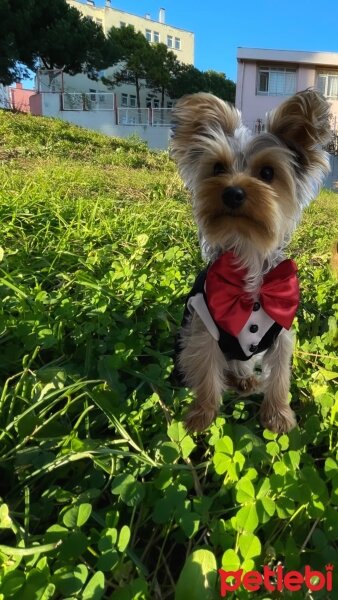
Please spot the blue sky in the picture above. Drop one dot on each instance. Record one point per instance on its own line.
(220, 26)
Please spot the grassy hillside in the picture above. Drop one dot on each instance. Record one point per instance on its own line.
(103, 493)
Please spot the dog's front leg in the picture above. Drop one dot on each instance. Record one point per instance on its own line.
(202, 364)
(275, 412)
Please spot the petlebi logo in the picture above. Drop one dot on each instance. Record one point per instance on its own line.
(276, 580)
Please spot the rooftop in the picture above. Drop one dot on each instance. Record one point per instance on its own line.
(146, 17)
(292, 56)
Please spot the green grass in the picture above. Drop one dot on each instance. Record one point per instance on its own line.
(103, 494)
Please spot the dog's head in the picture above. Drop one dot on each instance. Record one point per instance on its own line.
(250, 189)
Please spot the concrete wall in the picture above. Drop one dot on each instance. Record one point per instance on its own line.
(104, 122)
(35, 103)
(48, 105)
(19, 98)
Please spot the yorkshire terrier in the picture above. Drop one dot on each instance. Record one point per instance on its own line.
(248, 193)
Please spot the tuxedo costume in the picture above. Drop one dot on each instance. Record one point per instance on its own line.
(242, 325)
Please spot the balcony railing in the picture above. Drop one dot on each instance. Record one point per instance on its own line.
(133, 116)
(121, 115)
(88, 101)
(161, 117)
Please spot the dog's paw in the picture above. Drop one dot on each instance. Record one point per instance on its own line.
(243, 385)
(199, 419)
(278, 418)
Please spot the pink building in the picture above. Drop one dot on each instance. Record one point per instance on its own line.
(19, 98)
(266, 77)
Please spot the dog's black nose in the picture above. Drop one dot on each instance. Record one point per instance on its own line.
(233, 196)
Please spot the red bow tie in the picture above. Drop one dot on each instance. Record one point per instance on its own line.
(231, 306)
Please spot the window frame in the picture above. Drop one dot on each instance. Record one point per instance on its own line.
(268, 70)
(92, 93)
(171, 44)
(327, 75)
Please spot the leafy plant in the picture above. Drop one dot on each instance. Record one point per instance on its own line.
(103, 493)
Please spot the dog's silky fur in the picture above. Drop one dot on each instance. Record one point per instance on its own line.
(280, 171)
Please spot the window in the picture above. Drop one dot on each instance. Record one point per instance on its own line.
(169, 104)
(170, 41)
(132, 101)
(327, 84)
(156, 37)
(177, 43)
(92, 94)
(122, 24)
(156, 103)
(124, 99)
(276, 81)
(148, 35)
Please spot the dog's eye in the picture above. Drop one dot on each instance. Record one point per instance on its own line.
(266, 173)
(219, 169)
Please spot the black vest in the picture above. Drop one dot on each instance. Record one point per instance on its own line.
(229, 344)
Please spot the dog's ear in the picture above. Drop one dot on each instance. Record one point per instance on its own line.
(202, 114)
(200, 123)
(302, 121)
(200, 119)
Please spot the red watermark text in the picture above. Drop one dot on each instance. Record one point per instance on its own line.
(276, 580)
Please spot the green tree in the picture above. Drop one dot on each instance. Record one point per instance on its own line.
(72, 42)
(189, 80)
(163, 66)
(11, 22)
(51, 32)
(134, 52)
(219, 85)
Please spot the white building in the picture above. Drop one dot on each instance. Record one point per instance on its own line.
(91, 104)
(179, 41)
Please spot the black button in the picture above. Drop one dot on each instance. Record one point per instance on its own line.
(256, 306)
(252, 348)
(253, 328)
